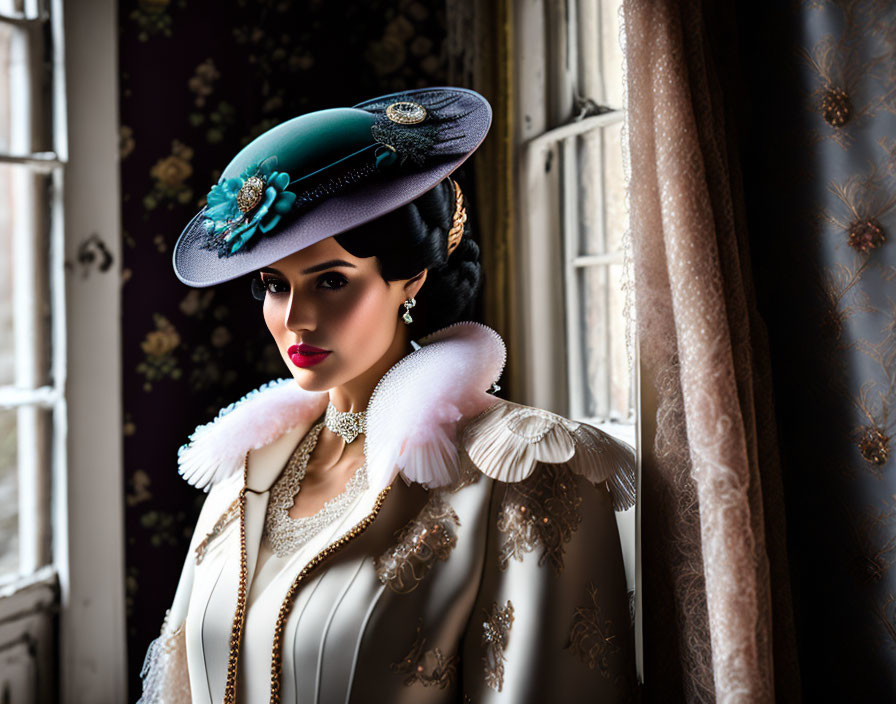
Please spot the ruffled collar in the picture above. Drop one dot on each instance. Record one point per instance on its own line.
(412, 413)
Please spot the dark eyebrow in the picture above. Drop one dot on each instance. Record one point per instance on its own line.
(313, 269)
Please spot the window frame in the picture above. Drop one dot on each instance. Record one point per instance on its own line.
(76, 497)
(91, 501)
(30, 598)
(546, 41)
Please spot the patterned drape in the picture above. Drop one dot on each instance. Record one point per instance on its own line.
(198, 81)
(716, 590)
(821, 189)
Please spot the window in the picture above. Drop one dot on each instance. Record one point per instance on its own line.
(601, 389)
(32, 306)
(574, 218)
(574, 206)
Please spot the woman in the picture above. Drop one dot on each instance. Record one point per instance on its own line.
(492, 570)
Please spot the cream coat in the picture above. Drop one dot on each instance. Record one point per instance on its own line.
(489, 571)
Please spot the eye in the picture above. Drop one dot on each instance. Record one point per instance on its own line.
(273, 285)
(335, 279)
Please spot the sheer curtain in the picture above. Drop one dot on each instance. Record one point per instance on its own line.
(718, 622)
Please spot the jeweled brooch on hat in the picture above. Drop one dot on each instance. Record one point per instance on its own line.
(238, 207)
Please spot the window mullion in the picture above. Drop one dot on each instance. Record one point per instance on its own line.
(30, 306)
(577, 383)
(21, 22)
(42, 397)
(611, 257)
(573, 128)
(606, 339)
(38, 161)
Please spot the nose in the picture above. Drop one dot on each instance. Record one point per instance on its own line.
(300, 313)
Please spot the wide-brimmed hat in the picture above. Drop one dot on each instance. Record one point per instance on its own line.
(326, 172)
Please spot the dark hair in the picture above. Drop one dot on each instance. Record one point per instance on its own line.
(413, 238)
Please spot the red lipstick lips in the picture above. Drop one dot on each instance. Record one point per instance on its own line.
(306, 355)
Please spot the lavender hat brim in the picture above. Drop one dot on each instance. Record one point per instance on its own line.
(196, 265)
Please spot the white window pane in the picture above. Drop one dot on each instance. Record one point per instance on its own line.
(7, 346)
(6, 40)
(24, 279)
(615, 211)
(9, 494)
(16, 8)
(602, 207)
(593, 282)
(609, 384)
(621, 398)
(591, 194)
(25, 89)
(611, 53)
(600, 54)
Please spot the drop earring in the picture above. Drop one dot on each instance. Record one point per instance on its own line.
(408, 304)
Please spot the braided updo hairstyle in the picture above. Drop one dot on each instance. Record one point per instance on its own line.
(415, 237)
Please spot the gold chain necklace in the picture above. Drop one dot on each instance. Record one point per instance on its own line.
(239, 617)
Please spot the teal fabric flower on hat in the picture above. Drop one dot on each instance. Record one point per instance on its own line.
(239, 207)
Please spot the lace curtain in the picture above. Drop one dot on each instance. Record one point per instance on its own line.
(718, 622)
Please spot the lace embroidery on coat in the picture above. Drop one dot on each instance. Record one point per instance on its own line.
(164, 672)
(540, 510)
(469, 474)
(495, 630)
(429, 537)
(232, 512)
(591, 636)
(428, 667)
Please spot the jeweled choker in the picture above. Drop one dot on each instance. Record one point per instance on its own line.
(346, 424)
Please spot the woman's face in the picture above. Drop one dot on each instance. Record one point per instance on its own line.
(323, 297)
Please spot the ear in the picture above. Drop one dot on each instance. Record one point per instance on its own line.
(413, 285)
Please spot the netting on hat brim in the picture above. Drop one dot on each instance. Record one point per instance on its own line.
(196, 266)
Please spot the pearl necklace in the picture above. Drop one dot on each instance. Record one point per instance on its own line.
(288, 534)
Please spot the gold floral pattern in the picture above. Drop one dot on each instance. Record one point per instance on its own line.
(591, 636)
(202, 83)
(873, 528)
(141, 482)
(429, 537)
(158, 347)
(841, 283)
(231, 514)
(836, 107)
(153, 18)
(171, 174)
(875, 399)
(428, 667)
(540, 510)
(126, 141)
(841, 73)
(862, 201)
(885, 612)
(874, 445)
(495, 631)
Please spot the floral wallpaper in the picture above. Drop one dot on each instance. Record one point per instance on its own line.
(821, 178)
(198, 81)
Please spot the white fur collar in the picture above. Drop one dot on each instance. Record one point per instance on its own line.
(411, 416)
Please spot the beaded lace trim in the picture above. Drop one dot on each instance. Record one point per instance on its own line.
(288, 534)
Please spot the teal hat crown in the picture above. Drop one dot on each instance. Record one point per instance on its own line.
(276, 172)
